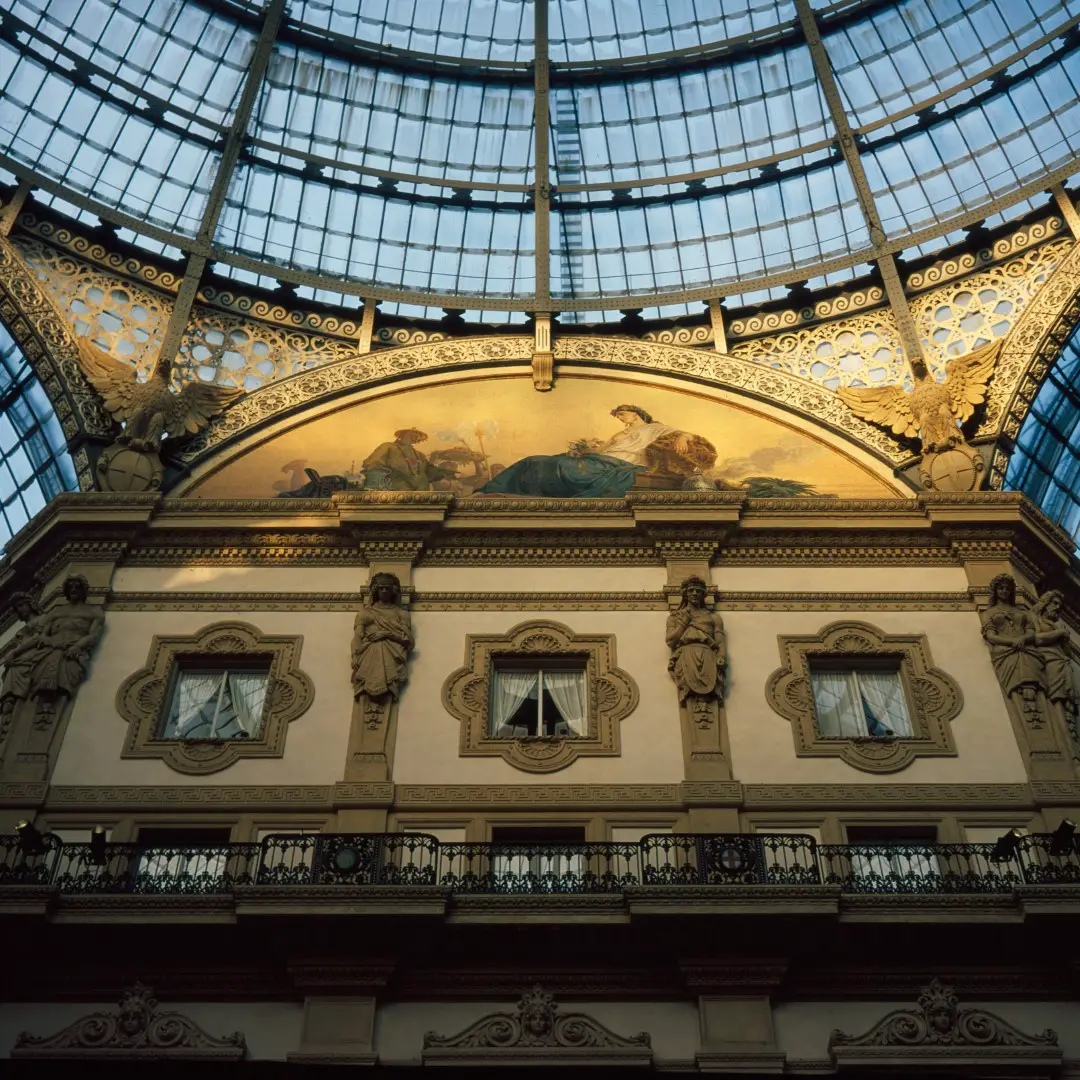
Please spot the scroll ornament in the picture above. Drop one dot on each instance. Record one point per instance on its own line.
(940, 1022)
(137, 1030)
(537, 1024)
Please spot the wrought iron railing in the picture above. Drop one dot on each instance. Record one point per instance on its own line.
(416, 859)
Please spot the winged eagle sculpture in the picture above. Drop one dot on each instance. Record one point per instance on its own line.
(150, 410)
(933, 411)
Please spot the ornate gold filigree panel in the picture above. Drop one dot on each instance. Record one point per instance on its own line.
(120, 316)
(612, 695)
(861, 350)
(393, 336)
(143, 697)
(982, 307)
(771, 322)
(933, 698)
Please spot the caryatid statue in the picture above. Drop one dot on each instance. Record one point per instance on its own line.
(382, 642)
(1012, 634)
(698, 664)
(1052, 642)
(16, 660)
(59, 653)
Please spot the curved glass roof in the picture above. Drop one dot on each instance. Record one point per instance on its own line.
(34, 462)
(540, 154)
(1045, 464)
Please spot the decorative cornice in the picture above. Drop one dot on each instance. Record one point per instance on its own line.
(887, 795)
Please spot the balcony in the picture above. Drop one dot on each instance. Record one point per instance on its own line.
(411, 873)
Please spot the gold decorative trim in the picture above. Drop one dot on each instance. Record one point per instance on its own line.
(933, 698)
(143, 697)
(612, 695)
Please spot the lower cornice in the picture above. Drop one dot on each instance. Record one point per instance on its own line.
(326, 798)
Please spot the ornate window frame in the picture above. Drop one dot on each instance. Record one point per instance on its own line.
(612, 695)
(933, 697)
(143, 696)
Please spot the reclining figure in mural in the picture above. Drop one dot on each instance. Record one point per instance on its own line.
(596, 468)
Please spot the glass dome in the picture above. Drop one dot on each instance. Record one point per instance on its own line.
(680, 151)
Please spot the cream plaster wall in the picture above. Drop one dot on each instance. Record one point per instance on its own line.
(762, 746)
(212, 579)
(802, 1028)
(847, 579)
(429, 737)
(539, 578)
(271, 1028)
(315, 746)
(400, 1027)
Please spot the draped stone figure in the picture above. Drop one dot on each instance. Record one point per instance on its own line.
(382, 642)
(17, 661)
(695, 637)
(60, 650)
(1052, 642)
(1011, 633)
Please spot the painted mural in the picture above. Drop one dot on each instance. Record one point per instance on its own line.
(590, 438)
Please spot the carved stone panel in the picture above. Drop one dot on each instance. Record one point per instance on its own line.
(933, 698)
(143, 697)
(611, 694)
(938, 1034)
(139, 1030)
(537, 1034)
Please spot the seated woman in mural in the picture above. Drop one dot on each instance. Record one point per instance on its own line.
(597, 468)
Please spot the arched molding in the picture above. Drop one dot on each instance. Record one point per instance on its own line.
(1026, 357)
(49, 345)
(313, 389)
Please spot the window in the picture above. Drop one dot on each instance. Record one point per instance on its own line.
(859, 703)
(539, 696)
(221, 703)
(208, 699)
(872, 699)
(537, 857)
(545, 700)
(181, 859)
(902, 855)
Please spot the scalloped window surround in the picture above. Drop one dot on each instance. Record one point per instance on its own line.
(146, 699)
(610, 694)
(931, 698)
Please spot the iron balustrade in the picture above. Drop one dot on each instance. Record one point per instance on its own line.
(419, 860)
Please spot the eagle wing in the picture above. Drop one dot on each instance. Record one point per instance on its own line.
(121, 392)
(889, 406)
(196, 405)
(966, 378)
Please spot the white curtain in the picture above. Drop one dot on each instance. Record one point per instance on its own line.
(195, 703)
(885, 697)
(510, 690)
(839, 710)
(248, 693)
(567, 690)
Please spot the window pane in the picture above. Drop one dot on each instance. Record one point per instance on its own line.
(217, 705)
(860, 704)
(513, 703)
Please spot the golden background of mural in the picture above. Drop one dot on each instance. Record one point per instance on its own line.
(474, 434)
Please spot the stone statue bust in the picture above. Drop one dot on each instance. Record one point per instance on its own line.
(17, 660)
(695, 636)
(1052, 643)
(382, 642)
